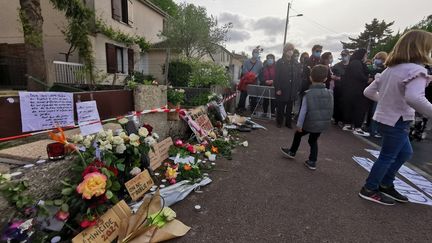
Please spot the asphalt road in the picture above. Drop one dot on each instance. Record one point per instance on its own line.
(264, 197)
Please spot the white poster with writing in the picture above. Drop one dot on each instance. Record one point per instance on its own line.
(88, 117)
(414, 195)
(46, 110)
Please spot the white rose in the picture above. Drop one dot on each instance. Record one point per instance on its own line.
(120, 148)
(124, 136)
(135, 143)
(77, 138)
(87, 143)
(135, 171)
(245, 143)
(143, 132)
(109, 133)
(149, 141)
(181, 90)
(117, 140)
(133, 137)
(123, 120)
(155, 136)
(102, 134)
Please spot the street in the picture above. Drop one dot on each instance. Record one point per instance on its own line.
(263, 197)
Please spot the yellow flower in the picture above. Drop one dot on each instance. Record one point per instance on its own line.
(200, 148)
(171, 173)
(94, 184)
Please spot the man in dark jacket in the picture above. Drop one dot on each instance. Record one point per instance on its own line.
(315, 116)
(313, 60)
(287, 84)
(339, 72)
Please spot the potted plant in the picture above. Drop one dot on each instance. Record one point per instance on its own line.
(175, 98)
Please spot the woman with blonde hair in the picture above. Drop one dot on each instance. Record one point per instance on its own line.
(287, 85)
(399, 91)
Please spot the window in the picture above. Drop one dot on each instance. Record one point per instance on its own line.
(122, 11)
(116, 57)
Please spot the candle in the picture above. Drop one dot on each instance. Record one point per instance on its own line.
(41, 161)
(28, 166)
(197, 207)
(16, 174)
(157, 174)
(213, 163)
(164, 181)
(162, 186)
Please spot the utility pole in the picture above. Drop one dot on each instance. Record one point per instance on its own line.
(286, 25)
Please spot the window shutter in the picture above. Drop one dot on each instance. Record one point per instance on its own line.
(111, 57)
(130, 60)
(130, 12)
(116, 9)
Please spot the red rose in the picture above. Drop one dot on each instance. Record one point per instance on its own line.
(97, 163)
(114, 170)
(87, 223)
(62, 216)
(90, 169)
(149, 128)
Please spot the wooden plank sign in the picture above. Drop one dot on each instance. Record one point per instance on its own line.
(201, 120)
(160, 153)
(139, 185)
(107, 227)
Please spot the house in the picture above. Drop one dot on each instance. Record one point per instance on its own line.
(113, 60)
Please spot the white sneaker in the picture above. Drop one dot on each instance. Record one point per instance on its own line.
(347, 128)
(360, 132)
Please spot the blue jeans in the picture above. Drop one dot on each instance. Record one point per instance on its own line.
(395, 151)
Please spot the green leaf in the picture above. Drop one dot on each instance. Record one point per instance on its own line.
(120, 167)
(115, 186)
(108, 183)
(65, 207)
(67, 191)
(49, 203)
(58, 202)
(105, 171)
(108, 161)
(65, 183)
(109, 194)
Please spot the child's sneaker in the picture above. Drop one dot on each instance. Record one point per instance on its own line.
(393, 194)
(287, 153)
(360, 132)
(310, 164)
(376, 196)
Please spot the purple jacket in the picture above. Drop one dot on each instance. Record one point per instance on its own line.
(400, 91)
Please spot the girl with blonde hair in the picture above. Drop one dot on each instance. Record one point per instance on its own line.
(399, 91)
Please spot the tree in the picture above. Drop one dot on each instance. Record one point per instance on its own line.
(193, 32)
(31, 19)
(169, 6)
(375, 34)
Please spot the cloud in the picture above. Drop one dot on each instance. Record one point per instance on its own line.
(330, 43)
(238, 35)
(237, 20)
(270, 25)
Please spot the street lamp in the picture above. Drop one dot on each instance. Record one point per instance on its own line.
(287, 21)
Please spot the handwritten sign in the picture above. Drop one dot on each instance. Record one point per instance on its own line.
(160, 153)
(88, 117)
(107, 227)
(139, 185)
(45, 110)
(200, 119)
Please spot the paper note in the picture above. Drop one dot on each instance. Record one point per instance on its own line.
(160, 152)
(88, 118)
(139, 185)
(46, 110)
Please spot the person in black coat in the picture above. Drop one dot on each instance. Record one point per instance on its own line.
(354, 82)
(287, 84)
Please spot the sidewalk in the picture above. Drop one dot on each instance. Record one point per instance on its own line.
(266, 198)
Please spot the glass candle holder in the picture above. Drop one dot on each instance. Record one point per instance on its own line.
(56, 151)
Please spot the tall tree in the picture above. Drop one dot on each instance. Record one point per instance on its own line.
(169, 6)
(31, 19)
(193, 32)
(374, 34)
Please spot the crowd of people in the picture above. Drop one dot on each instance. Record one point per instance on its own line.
(377, 97)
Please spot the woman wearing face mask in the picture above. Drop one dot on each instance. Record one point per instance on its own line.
(250, 70)
(267, 78)
(287, 84)
(378, 67)
(338, 75)
(313, 60)
(356, 80)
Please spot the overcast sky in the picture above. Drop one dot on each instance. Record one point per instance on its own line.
(325, 22)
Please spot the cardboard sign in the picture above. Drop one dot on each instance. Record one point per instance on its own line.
(46, 110)
(88, 118)
(107, 227)
(200, 123)
(139, 185)
(160, 153)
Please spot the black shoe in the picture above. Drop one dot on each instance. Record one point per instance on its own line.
(288, 124)
(310, 164)
(287, 153)
(376, 196)
(393, 194)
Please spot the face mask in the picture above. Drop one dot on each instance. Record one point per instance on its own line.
(345, 59)
(330, 61)
(290, 53)
(270, 61)
(317, 54)
(255, 55)
(378, 62)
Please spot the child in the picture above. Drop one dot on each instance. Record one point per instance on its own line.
(315, 115)
(399, 91)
